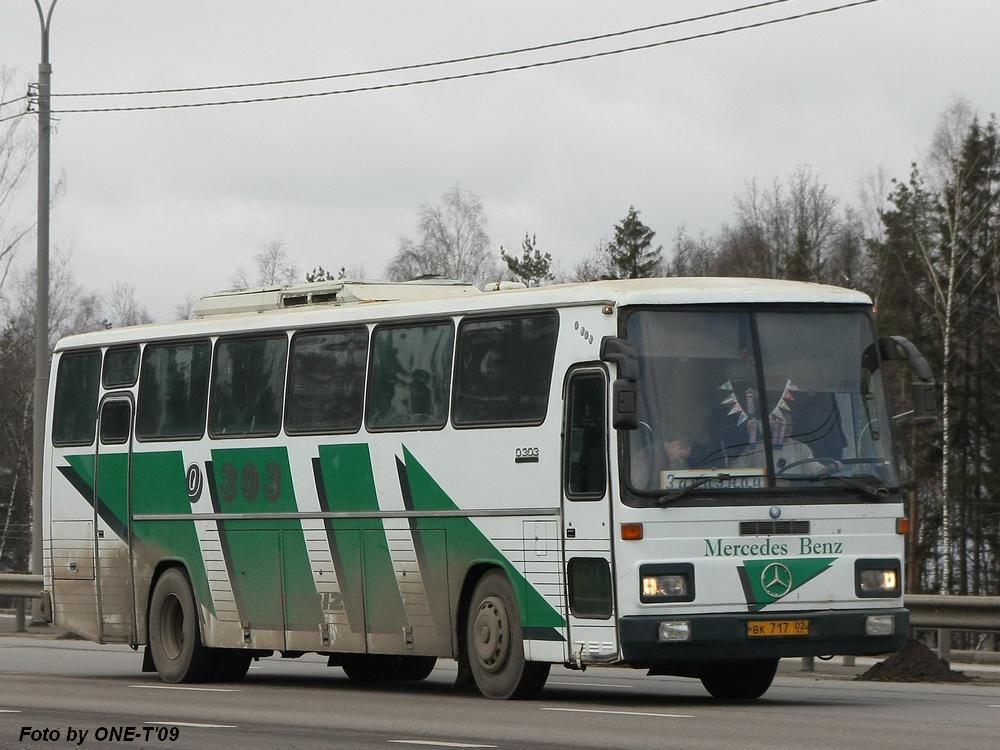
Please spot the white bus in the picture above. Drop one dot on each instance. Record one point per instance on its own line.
(690, 476)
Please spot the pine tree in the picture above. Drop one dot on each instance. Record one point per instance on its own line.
(630, 255)
(533, 267)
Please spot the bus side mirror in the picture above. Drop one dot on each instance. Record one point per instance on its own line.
(922, 394)
(625, 390)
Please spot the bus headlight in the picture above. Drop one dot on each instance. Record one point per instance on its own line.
(666, 583)
(658, 587)
(877, 578)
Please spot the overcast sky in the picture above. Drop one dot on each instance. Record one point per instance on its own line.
(170, 201)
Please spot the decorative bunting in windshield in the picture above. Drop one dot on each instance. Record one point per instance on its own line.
(780, 420)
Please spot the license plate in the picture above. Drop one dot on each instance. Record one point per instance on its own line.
(776, 628)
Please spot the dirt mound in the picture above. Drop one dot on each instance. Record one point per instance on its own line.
(913, 663)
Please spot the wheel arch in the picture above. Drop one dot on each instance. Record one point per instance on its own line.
(162, 566)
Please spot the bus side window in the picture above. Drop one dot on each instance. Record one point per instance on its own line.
(326, 381)
(410, 376)
(75, 412)
(586, 437)
(248, 382)
(173, 390)
(504, 369)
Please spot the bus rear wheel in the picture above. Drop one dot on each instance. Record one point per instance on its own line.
(495, 645)
(739, 680)
(174, 634)
(231, 665)
(387, 668)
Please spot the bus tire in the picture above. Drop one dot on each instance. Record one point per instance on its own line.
(495, 644)
(387, 667)
(231, 664)
(174, 633)
(740, 680)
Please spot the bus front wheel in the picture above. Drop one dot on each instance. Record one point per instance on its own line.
(495, 645)
(740, 680)
(174, 635)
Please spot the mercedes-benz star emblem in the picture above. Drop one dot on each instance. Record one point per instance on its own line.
(774, 512)
(776, 580)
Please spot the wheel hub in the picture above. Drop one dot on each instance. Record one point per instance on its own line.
(491, 631)
(172, 627)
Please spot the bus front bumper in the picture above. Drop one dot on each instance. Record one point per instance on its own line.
(727, 636)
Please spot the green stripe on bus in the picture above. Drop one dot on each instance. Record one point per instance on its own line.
(269, 557)
(349, 486)
(467, 545)
(158, 486)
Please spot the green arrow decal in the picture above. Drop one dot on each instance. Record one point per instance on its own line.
(767, 581)
(467, 545)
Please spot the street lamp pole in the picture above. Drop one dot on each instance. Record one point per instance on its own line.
(41, 298)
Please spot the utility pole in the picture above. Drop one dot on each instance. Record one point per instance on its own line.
(41, 299)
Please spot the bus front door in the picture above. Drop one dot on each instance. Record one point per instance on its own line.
(586, 506)
(112, 506)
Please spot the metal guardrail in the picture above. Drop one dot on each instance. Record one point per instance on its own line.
(946, 612)
(21, 585)
(954, 612)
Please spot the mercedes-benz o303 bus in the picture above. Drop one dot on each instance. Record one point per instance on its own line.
(690, 476)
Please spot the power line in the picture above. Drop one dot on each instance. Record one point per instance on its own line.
(13, 101)
(451, 61)
(477, 74)
(19, 114)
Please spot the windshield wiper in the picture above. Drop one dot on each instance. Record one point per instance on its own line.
(665, 500)
(871, 490)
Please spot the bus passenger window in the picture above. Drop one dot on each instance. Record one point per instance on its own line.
(248, 383)
(173, 390)
(326, 381)
(75, 413)
(504, 369)
(410, 376)
(121, 367)
(586, 437)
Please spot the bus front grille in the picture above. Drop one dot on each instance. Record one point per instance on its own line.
(773, 528)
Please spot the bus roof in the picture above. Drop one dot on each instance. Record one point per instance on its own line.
(348, 301)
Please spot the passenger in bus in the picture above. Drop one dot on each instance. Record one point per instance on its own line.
(670, 451)
(490, 380)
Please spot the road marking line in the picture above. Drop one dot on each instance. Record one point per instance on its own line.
(437, 743)
(622, 713)
(998, 706)
(9, 711)
(181, 687)
(588, 684)
(190, 724)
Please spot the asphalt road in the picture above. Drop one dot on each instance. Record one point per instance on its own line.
(284, 703)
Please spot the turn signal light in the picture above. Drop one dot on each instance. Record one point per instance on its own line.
(631, 532)
(903, 525)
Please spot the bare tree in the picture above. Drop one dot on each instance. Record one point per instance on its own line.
(122, 309)
(73, 309)
(17, 153)
(785, 232)
(273, 266)
(184, 310)
(453, 242)
(946, 145)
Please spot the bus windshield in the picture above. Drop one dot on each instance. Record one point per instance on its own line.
(738, 401)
